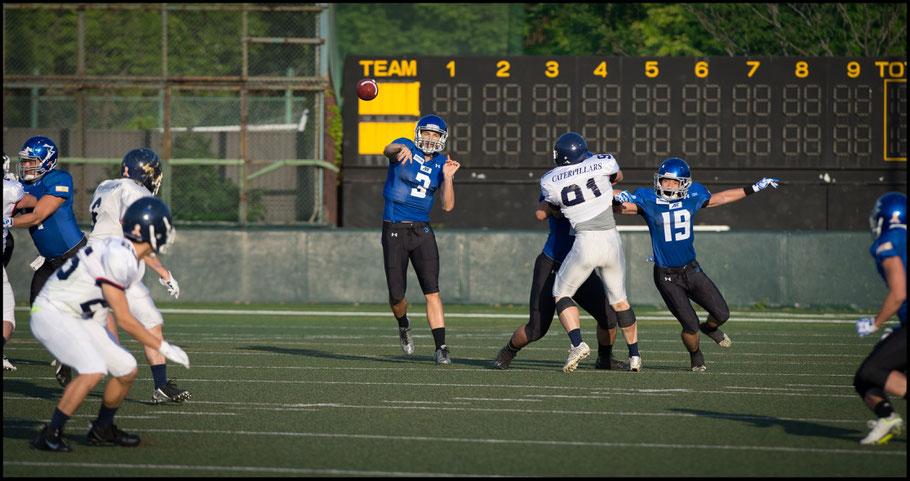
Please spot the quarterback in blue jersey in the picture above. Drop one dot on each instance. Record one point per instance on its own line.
(417, 170)
(669, 208)
(590, 296)
(884, 371)
(51, 221)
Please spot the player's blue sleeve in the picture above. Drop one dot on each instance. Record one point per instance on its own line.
(699, 191)
(59, 184)
(639, 198)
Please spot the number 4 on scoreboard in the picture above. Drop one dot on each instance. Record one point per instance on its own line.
(601, 69)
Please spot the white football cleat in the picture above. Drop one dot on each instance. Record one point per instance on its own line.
(635, 363)
(576, 354)
(8, 366)
(884, 429)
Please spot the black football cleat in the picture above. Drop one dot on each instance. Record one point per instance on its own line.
(111, 434)
(51, 440)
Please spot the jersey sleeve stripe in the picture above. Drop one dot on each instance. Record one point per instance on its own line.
(102, 280)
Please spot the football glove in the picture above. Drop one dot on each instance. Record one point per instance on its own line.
(171, 284)
(764, 183)
(174, 353)
(7, 222)
(865, 326)
(623, 196)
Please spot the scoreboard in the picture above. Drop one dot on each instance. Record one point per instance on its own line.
(723, 115)
(823, 112)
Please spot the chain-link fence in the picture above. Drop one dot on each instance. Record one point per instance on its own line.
(231, 97)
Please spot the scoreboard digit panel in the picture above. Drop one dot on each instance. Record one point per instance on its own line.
(718, 112)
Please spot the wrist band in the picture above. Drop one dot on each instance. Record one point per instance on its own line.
(748, 190)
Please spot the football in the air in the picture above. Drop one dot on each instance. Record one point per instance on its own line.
(367, 89)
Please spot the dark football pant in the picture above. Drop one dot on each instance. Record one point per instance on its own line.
(47, 269)
(888, 355)
(409, 241)
(679, 284)
(591, 297)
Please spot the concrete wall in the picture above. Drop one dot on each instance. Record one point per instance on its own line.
(799, 269)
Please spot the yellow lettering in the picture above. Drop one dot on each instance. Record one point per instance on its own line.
(881, 68)
(394, 69)
(897, 72)
(366, 67)
(379, 68)
(409, 68)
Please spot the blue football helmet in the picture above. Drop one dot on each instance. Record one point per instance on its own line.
(570, 148)
(889, 212)
(143, 166)
(676, 169)
(149, 220)
(41, 155)
(432, 123)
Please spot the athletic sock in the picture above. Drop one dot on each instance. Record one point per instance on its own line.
(512, 347)
(605, 351)
(633, 349)
(403, 321)
(159, 374)
(58, 419)
(883, 409)
(105, 416)
(439, 336)
(697, 358)
(575, 337)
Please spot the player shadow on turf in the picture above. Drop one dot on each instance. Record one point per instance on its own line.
(333, 355)
(790, 426)
(22, 428)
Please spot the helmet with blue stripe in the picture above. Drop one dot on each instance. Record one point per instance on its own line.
(37, 157)
(432, 123)
(889, 212)
(674, 169)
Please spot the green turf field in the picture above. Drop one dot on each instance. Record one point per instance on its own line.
(318, 390)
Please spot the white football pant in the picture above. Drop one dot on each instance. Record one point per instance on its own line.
(593, 249)
(85, 345)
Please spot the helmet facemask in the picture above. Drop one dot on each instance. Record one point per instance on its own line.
(428, 145)
(670, 194)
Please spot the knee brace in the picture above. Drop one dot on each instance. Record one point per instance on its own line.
(625, 318)
(563, 304)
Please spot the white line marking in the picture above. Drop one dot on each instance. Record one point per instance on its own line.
(246, 469)
(384, 437)
(766, 316)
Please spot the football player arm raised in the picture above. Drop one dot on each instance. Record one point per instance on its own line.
(43, 208)
(397, 152)
(732, 195)
(894, 271)
(623, 207)
(725, 197)
(448, 183)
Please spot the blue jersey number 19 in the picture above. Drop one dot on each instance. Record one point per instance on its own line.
(681, 221)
